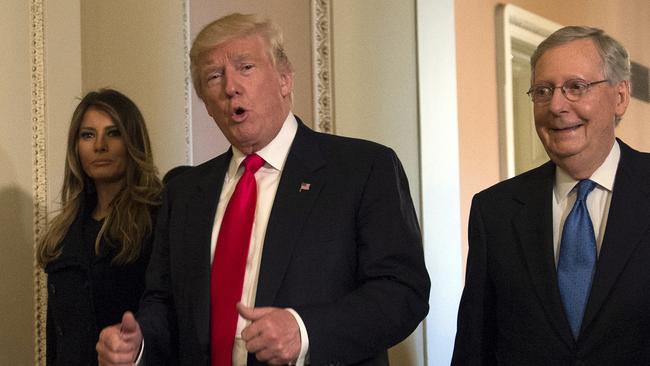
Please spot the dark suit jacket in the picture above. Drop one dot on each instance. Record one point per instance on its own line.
(511, 312)
(345, 254)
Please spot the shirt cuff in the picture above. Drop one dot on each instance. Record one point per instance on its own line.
(138, 360)
(304, 339)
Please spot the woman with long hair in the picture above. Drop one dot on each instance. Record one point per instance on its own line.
(96, 249)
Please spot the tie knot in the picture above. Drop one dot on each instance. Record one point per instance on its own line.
(585, 186)
(253, 163)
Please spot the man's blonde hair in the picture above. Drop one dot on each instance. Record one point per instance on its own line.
(234, 26)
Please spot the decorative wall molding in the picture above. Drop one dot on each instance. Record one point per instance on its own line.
(517, 30)
(322, 66)
(39, 176)
(189, 158)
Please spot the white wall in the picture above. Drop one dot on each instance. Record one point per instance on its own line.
(440, 173)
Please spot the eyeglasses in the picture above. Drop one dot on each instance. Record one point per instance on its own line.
(572, 90)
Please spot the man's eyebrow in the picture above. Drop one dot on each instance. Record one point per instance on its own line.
(241, 57)
(210, 65)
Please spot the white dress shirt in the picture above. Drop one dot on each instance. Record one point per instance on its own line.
(267, 178)
(598, 201)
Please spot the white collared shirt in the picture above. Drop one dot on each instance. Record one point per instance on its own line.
(267, 178)
(598, 201)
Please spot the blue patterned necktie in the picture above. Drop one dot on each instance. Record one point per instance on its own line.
(577, 262)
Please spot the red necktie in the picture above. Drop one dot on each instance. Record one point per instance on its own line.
(229, 264)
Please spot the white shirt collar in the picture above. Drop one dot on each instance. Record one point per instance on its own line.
(275, 153)
(603, 176)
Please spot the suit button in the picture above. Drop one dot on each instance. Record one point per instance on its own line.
(59, 330)
(52, 289)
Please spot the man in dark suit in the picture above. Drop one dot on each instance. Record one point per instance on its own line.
(554, 278)
(334, 272)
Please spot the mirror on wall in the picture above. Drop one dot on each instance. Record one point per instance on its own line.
(518, 34)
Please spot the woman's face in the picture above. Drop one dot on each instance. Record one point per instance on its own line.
(101, 148)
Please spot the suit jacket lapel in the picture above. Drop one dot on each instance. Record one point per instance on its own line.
(200, 211)
(534, 228)
(291, 207)
(628, 219)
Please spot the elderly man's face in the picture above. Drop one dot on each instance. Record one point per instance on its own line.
(579, 133)
(246, 95)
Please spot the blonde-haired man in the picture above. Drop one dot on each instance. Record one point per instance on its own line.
(333, 273)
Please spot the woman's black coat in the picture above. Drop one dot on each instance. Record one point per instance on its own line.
(87, 293)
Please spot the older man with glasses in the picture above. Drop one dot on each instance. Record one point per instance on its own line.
(558, 270)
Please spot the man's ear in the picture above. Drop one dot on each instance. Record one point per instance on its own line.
(622, 97)
(286, 83)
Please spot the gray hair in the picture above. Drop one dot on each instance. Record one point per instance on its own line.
(614, 57)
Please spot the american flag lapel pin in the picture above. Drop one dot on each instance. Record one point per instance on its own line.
(304, 186)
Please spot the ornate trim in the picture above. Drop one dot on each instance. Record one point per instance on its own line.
(515, 24)
(39, 176)
(189, 158)
(322, 66)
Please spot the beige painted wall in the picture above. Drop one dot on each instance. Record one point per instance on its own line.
(62, 87)
(375, 76)
(293, 16)
(137, 47)
(375, 95)
(626, 20)
(16, 283)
